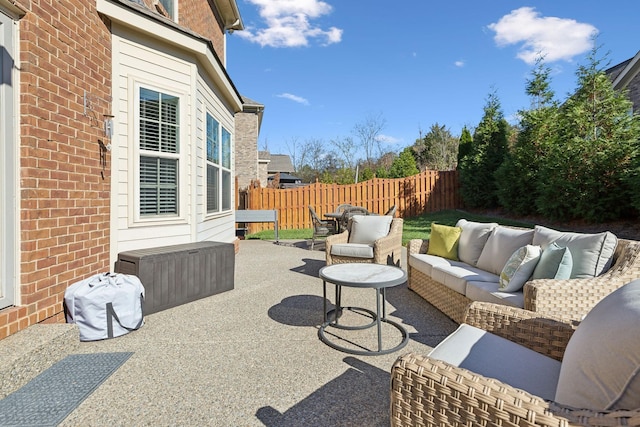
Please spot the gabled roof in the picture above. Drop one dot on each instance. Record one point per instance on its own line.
(627, 75)
(280, 163)
(251, 106)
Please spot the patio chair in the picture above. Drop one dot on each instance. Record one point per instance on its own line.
(367, 238)
(321, 228)
(509, 366)
(348, 212)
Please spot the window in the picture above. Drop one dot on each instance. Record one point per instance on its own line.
(159, 143)
(218, 167)
(170, 7)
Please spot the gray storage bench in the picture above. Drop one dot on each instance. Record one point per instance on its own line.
(249, 215)
(178, 274)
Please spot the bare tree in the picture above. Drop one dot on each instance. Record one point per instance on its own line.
(297, 152)
(346, 147)
(368, 133)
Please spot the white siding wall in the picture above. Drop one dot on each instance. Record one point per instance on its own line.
(140, 61)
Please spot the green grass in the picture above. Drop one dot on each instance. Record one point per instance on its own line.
(414, 228)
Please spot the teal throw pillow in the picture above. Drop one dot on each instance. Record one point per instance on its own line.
(555, 263)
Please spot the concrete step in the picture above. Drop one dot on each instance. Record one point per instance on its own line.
(27, 353)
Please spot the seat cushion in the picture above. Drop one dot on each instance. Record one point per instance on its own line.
(592, 253)
(472, 239)
(456, 276)
(601, 365)
(489, 292)
(501, 244)
(366, 229)
(444, 241)
(354, 250)
(425, 263)
(495, 357)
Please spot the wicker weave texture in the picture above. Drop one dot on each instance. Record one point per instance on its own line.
(429, 392)
(571, 298)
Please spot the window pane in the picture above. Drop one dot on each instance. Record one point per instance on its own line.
(158, 186)
(213, 148)
(213, 204)
(226, 149)
(226, 190)
(159, 121)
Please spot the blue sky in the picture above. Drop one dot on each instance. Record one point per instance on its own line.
(321, 67)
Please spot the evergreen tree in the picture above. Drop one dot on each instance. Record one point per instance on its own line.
(404, 165)
(587, 172)
(437, 150)
(464, 145)
(477, 182)
(518, 176)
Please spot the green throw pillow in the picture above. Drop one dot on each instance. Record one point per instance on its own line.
(555, 263)
(444, 241)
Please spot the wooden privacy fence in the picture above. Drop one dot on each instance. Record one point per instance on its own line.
(428, 191)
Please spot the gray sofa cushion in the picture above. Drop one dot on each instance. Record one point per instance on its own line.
(425, 263)
(456, 276)
(495, 357)
(489, 292)
(601, 365)
(502, 243)
(592, 253)
(472, 240)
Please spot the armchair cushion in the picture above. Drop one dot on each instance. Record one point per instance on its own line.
(366, 229)
(601, 365)
(355, 250)
(472, 240)
(592, 253)
(492, 356)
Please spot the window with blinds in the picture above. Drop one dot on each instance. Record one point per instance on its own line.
(159, 152)
(218, 166)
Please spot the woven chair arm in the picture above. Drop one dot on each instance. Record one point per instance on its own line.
(546, 335)
(417, 246)
(387, 245)
(574, 298)
(427, 391)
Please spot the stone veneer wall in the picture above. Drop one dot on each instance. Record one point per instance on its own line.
(246, 148)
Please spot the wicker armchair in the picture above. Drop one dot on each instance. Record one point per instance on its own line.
(572, 298)
(426, 391)
(386, 250)
(321, 228)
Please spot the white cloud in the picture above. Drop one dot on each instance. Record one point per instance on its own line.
(554, 38)
(294, 98)
(288, 23)
(388, 139)
(459, 64)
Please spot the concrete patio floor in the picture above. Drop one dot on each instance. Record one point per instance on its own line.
(252, 357)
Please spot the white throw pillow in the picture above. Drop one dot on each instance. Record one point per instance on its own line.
(519, 268)
(367, 229)
(601, 365)
(592, 253)
(502, 242)
(473, 238)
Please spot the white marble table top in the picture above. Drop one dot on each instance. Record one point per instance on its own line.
(363, 275)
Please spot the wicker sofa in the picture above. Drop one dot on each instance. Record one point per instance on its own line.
(492, 380)
(571, 298)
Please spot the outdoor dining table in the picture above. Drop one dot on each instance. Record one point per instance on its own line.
(337, 216)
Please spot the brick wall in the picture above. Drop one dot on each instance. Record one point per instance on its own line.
(246, 148)
(198, 16)
(65, 52)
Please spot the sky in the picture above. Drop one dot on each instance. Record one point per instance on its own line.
(322, 67)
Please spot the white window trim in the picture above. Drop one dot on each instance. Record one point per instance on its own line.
(135, 219)
(9, 161)
(221, 168)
